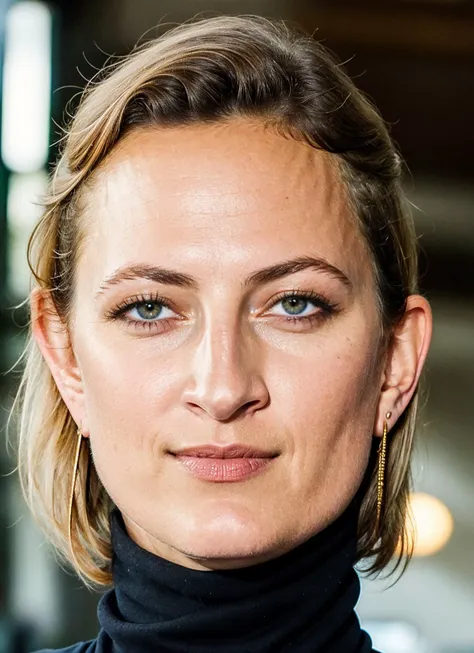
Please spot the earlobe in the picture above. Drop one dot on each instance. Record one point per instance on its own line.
(405, 359)
(53, 339)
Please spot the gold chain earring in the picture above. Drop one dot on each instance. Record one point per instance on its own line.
(382, 450)
(73, 486)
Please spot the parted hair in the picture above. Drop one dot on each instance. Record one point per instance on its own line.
(204, 71)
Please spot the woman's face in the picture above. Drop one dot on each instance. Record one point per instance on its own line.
(225, 297)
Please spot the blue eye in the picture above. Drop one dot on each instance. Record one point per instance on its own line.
(299, 307)
(143, 311)
(303, 305)
(295, 305)
(148, 310)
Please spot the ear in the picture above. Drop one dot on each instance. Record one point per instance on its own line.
(53, 339)
(405, 358)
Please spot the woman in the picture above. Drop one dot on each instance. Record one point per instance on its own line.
(218, 406)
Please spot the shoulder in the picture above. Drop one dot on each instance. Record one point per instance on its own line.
(82, 647)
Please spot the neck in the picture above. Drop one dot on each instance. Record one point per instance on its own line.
(304, 599)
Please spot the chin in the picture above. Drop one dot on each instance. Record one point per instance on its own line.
(226, 542)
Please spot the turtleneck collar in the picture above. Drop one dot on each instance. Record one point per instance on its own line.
(302, 601)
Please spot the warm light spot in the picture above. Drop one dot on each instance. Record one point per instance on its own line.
(430, 524)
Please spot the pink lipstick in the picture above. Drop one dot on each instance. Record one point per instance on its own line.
(224, 464)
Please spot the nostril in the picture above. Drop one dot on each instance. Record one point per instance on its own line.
(226, 402)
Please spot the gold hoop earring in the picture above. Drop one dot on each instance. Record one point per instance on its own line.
(382, 450)
(73, 487)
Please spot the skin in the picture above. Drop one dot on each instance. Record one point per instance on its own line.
(225, 365)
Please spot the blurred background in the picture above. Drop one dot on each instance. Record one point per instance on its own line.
(415, 59)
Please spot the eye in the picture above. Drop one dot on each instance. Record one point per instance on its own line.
(150, 311)
(302, 305)
(295, 305)
(144, 312)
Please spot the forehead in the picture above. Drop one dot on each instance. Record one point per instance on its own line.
(233, 192)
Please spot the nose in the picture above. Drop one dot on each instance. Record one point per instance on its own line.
(225, 381)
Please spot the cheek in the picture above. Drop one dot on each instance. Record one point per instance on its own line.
(128, 390)
(122, 372)
(327, 382)
(326, 403)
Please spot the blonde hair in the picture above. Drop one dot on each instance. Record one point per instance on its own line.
(204, 71)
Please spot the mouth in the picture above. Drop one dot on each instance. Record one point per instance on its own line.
(228, 464)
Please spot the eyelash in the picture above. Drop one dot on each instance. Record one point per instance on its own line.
(118, 313)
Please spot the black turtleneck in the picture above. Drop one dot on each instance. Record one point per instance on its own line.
(301, 602)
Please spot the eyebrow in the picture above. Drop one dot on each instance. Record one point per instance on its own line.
(260, 277)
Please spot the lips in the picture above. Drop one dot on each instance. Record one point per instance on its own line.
(229, 451)
(224, 464)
